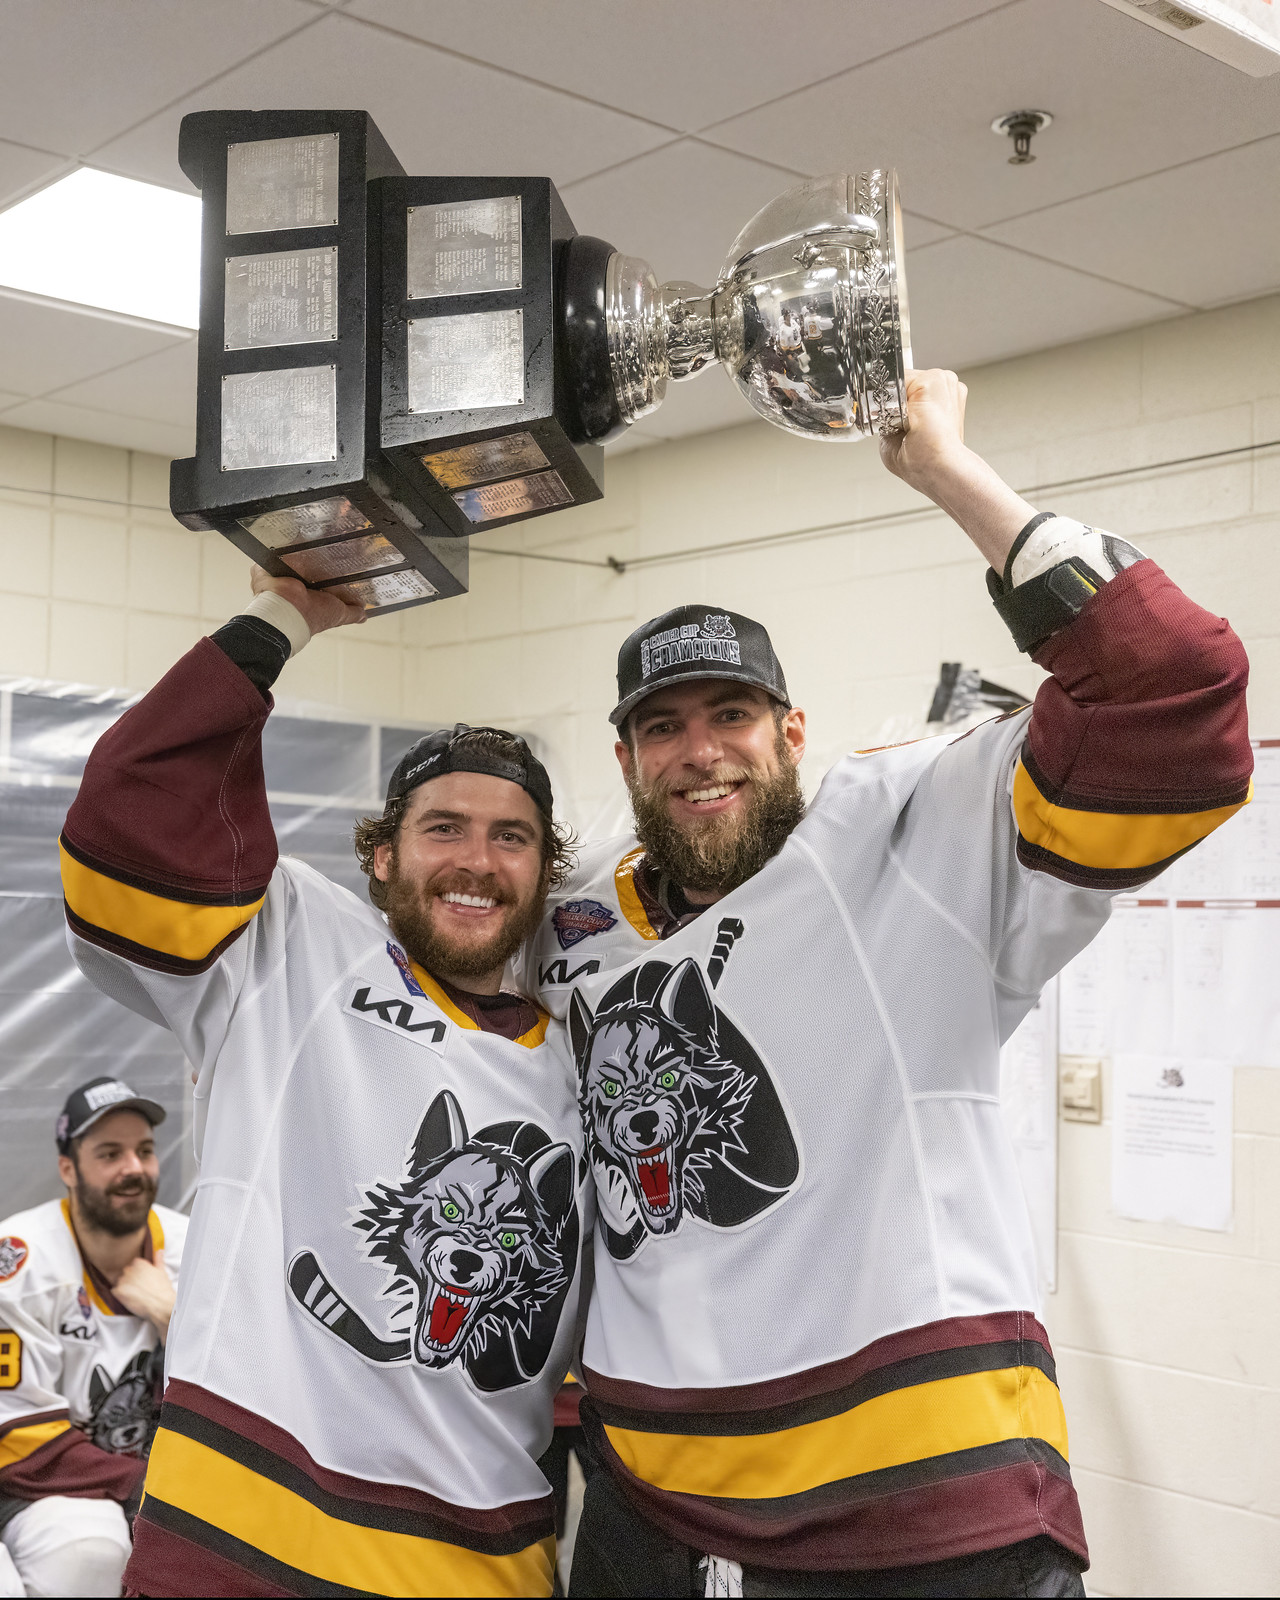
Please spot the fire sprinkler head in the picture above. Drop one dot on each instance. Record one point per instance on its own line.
(1020, 126)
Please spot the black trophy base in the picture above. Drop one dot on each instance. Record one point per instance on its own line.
(359, 536)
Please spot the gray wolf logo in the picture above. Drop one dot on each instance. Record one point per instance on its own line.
(123, 1413)
(482, 1239)
(681, 1115)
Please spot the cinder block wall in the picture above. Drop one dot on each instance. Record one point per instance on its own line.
(1167, 1338)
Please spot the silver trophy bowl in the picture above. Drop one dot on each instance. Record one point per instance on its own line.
(809, 315)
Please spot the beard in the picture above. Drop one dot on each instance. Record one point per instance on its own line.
(119, 1220)
(409, 907)
(721, 853)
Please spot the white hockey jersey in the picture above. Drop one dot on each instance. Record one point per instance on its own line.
(380, 1291)
(812, 1341)
(79, 1374)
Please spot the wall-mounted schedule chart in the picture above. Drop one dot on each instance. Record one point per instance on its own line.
(1182, 984)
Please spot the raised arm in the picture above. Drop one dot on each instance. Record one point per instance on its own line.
(1138, 744)
(168, 848)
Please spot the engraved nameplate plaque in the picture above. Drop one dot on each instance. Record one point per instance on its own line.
(285, 298)
(282, 183)
(341, 560)
(515, 498)
(489, 458)
(464, 247)
(466, 362)
(315, 519)
(274, 419)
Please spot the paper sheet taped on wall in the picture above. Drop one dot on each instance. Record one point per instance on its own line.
(1028, 1100)
(1189, 965)
(1171, 1140)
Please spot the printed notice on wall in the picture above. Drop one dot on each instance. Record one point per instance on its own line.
(1171, 1142)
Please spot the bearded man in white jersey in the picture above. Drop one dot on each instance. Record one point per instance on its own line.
(383, 1271)
(813, 1363)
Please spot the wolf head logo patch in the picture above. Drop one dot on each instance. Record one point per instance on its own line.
(681, 1116)
(579, 919)
(124, 1411)
(482, 1240)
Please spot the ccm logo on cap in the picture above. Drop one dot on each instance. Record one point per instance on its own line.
(715, 640)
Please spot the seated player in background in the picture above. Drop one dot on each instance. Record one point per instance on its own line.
(86, 1290)
(382, 1280)
(813, 1363)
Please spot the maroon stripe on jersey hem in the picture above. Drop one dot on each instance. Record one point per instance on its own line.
(530, 1520)
(139, 955)
(167, 1562)
(973, 1509)
(930, 1338)
(165, 888)
(1144, 803)
(1038, 859)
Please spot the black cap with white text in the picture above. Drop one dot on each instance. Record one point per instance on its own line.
(94, 1100)
(692, 642)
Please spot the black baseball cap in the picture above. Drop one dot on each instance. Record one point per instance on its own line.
(94, 1100)
(696, 642)
(449, 750)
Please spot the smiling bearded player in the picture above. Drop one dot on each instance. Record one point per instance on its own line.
(379, 1299)
(812, 1355)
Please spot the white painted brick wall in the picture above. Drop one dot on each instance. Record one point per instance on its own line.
(1168, 1339)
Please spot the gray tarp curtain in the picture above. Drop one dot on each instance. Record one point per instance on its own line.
(56, 1030)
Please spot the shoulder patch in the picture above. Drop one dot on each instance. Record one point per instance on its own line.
(579, 919)
(406, 971)
(13, 1252)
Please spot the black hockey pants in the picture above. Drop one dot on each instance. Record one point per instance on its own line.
(619, 1553)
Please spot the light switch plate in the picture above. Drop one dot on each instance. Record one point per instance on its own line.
(1080, 1088)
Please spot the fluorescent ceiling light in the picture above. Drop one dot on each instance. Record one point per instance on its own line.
(107, 242)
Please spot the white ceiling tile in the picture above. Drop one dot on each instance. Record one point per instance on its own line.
(679, 208)
(973, 302)
(1205, 233)
(920, 231)
(74, 74)
(23, 169)
(439, 114)
(102, 427)
(159, 388)
(1126, 101)
(44, 345)
(684, 65)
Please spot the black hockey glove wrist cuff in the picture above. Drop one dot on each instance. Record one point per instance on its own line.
(1055, 567)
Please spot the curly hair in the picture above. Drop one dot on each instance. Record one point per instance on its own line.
(558, 839)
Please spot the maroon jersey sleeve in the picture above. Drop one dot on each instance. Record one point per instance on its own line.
(1138, 745)
(168, 848)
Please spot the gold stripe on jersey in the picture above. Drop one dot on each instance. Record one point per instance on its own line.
(624, 883)
(20, 1442)
(534, 1036)
(172, 927)
(889, 1430)
(261, 1513)
(154, 1227)
(1116, 841)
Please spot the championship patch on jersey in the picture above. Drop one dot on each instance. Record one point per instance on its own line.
(13, 1252)
(681, 1115)
(579, 919)
(481, 1238)
(406, 971)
